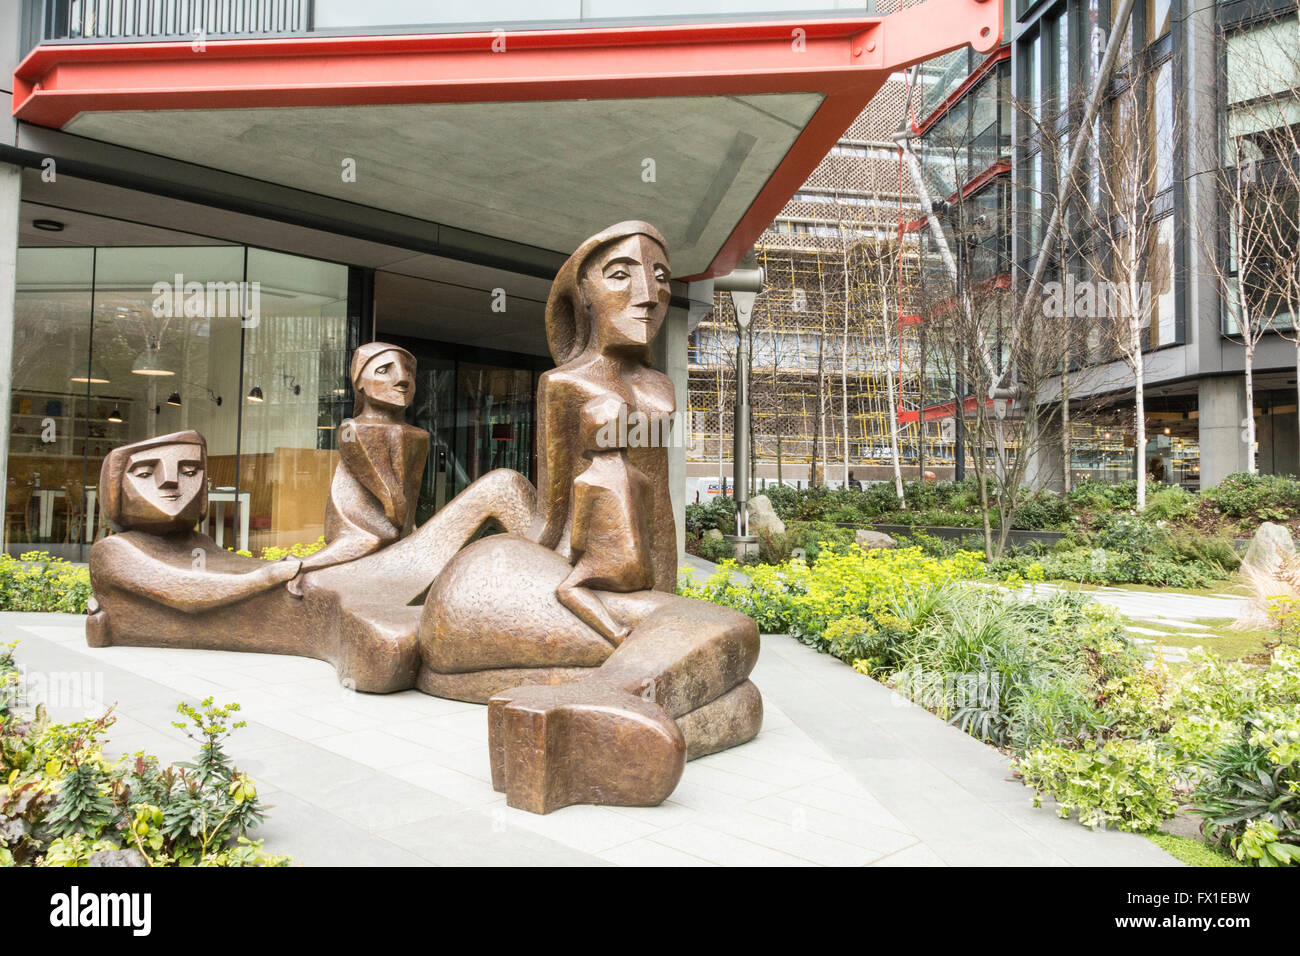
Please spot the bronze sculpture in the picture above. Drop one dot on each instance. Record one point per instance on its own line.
(376, 484)
(600, 681)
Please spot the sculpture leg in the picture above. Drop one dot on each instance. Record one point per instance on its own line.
(582, 743)
(501, 499)
(684, 665)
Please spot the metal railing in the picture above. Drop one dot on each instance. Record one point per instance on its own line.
(171, 19)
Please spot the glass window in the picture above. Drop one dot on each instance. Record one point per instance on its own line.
(1157, 18)
(49, 402)
(1004, 106)
(1162, 125)
(494, 421)
(1061, 64)
(295, 391)
(1263, 87)
(1035, 68)
(984, 126)
(1160, 276)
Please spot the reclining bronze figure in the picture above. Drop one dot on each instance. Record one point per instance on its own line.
(600, 681)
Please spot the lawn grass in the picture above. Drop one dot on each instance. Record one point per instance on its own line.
(1192, 852)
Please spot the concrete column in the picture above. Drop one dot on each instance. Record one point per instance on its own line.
(1044, 470)
(1222, 404)
(10, 196)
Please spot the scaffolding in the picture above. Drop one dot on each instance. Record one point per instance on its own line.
(829, 332)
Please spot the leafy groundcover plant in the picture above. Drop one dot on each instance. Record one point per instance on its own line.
(62, 801)
(1113, 738)
(37, 581)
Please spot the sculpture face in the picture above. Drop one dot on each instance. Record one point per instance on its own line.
(626, 285)
(162, 487)
(387, 381)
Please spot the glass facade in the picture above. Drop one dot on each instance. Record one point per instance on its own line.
(1260, 145)
(114, 345)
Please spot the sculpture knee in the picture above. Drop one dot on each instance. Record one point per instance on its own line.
(511, 498)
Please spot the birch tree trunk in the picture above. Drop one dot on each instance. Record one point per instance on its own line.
(1139, 410)
(889, 379)
(844, 371)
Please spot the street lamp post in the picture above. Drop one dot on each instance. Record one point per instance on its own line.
(744, 286)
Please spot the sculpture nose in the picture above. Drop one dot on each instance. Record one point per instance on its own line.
(642, 284)
(168, 474)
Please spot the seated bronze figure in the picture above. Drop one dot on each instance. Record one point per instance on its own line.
(600, 681)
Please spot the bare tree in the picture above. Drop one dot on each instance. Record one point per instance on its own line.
(1257, 182)
(1117, 235)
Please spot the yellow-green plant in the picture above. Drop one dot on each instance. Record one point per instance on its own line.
(38, 581)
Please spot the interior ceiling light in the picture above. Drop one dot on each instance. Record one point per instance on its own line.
(255, 394)
(97, 375)
(115, 415)
(174, 399)
(149, 362)
(48, 225)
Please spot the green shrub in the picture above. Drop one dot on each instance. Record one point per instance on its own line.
(719, 514)
(1243, 788)
(62, 800)
(1257, 497)
(37, 581)
(776, 547)
(717, 550)
(783, 498)
(1128, 783)
(812, 536)
(1057, 680)
(1043, 511)
(1170, 504)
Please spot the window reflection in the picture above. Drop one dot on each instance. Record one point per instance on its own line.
(115, 345)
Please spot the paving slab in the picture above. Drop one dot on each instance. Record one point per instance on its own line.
(844, 773)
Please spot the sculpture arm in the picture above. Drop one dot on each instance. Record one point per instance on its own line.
(554, 476)
(581, 520)
(355, 457)
(191, 590)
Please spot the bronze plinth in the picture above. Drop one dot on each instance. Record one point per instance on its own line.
(600, 681)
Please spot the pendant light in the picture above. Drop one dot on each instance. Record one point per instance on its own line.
(149, 362)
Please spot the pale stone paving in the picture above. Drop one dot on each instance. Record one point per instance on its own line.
(844, 773)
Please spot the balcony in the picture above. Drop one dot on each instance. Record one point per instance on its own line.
(83, 20)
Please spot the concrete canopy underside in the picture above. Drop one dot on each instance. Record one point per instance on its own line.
(539, 143)
(552, 170)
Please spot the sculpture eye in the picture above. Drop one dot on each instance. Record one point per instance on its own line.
(619, 274)
(384, 369)
(189, 471)
(142, 471)
(661, 274)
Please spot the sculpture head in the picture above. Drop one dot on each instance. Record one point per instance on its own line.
(383, 379)
(158, 485)
(611, 294)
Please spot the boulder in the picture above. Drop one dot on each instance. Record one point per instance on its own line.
(711, 534)
(1271, 544)
(867, 539)
(762, 516)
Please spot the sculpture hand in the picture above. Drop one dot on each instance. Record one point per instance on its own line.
(286, 569)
